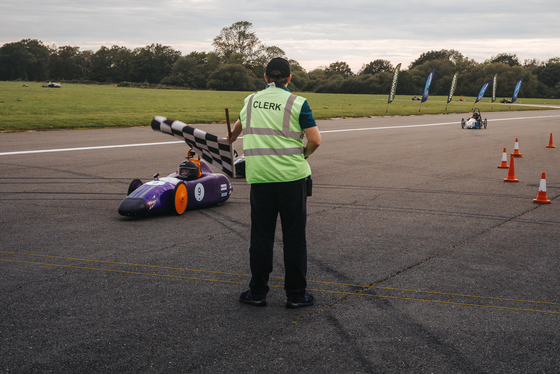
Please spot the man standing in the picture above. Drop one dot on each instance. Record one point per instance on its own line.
(273, 122)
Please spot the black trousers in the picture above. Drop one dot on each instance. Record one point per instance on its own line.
(289, 199)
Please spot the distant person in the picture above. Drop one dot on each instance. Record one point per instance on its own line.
(273, 122)
(473, 122)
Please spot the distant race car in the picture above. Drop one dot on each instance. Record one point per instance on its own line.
(194, 185)
(475, 122)
(52, 85)
(415, 98)
(505, 101)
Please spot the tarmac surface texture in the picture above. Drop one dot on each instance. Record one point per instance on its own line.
(420, 257)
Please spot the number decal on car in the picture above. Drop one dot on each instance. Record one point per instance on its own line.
(199, 192)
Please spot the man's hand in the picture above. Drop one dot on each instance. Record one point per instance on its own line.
(237, 129)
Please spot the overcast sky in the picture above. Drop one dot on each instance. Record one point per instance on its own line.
(315, 33)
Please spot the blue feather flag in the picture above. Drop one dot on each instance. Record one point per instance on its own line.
(427, 87)
(482, 91)
(516, 91)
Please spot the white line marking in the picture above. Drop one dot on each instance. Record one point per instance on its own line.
(86, 148)
(430, 124)
(390, 127)
(322, 132)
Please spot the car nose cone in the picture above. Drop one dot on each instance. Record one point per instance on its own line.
(133, 207)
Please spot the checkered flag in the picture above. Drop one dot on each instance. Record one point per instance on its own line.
(214, 150)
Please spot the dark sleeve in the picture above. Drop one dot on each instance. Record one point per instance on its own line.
(306, 119)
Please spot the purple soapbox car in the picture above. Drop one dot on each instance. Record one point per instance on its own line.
(193, 186)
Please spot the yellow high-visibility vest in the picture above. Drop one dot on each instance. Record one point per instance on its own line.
(272, 137)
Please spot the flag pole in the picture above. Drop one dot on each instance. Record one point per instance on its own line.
(231, 152)
(228, 124)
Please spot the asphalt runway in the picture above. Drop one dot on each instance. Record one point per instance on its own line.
(421, 258)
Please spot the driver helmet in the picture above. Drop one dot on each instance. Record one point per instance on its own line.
(188, 170)
(475, 115)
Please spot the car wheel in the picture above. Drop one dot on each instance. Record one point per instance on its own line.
(134, 185)
(485, 121)
(180, 198)
(462, 123)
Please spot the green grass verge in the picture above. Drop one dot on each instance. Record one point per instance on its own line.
(76, 106)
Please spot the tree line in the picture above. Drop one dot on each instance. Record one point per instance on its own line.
(238, 62)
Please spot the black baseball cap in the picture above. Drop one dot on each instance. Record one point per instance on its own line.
(278, 64)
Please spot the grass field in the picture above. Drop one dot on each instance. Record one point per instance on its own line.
(77, 106)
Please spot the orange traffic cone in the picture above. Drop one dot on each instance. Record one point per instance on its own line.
(516, 149)
(541, 197)
(504, 164)
(550, 145)
(511, 172)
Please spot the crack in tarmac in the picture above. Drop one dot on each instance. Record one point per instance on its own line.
(21, 285)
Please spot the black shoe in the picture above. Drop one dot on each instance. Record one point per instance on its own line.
(247, 298)
(307, 300)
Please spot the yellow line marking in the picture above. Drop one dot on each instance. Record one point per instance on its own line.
(275, 286)
(439, 293)
(125, 263)
(437, 301)
(122, 271)
(278, 278)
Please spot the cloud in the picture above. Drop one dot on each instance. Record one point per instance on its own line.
(314, 32)
(405, 51)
